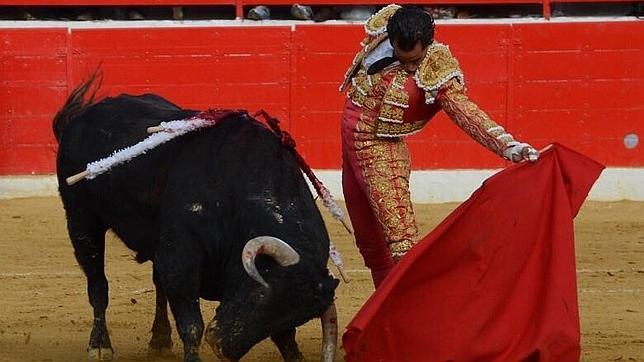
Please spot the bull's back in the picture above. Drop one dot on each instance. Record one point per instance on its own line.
(113, 124)
(125, 199)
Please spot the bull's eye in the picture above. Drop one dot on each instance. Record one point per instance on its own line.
(196, 207)
(260, 298)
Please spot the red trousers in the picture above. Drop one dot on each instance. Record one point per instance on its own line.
(375, 182)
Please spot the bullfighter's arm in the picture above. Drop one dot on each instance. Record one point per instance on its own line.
(478, 125)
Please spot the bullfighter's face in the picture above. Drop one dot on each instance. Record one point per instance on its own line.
(410, 59)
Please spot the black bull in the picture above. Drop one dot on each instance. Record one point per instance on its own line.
(191, 206)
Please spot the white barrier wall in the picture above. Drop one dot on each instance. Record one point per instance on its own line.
(436, 186)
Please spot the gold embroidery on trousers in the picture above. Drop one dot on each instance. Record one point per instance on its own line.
(385, 167)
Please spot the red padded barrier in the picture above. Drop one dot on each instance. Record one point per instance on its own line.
(579, 83)
(194, 67)
(33, 86)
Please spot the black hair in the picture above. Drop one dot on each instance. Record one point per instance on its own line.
(409, 25)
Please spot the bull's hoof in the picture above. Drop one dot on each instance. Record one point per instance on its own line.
(192, 356)
(160, 346)
(100, 354)
(154, 352)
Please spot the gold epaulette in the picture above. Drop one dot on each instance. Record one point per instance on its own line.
(437, 68)
(376, 29)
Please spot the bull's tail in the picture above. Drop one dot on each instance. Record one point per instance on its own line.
(80, 99)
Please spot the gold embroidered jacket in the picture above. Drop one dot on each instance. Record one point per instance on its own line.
(403, 103)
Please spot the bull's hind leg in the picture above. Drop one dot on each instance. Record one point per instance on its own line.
(161, 341)
(88, 238)
(287, 345)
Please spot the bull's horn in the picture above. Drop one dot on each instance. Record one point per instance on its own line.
(283, 254)
(329, 333)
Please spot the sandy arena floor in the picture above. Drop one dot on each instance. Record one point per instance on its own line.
(45, 316)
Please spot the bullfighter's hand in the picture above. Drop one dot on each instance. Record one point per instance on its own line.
(517, 152)
(529, 153)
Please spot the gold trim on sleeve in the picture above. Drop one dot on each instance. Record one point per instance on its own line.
(471, 119)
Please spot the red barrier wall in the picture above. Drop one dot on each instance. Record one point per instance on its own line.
(579, 83)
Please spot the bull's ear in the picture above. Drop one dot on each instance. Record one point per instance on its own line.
(329, 283)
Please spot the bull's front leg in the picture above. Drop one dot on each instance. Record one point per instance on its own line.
(179, 272)
(189, 324)
(161, 341)
(285, 342)
(88, 239)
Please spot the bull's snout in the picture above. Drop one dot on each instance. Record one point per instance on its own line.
(213, 341)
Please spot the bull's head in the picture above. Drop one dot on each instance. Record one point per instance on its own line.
(284, 255)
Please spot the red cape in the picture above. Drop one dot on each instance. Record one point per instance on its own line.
(495, 281)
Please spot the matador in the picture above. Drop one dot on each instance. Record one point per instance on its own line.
(398, 81)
